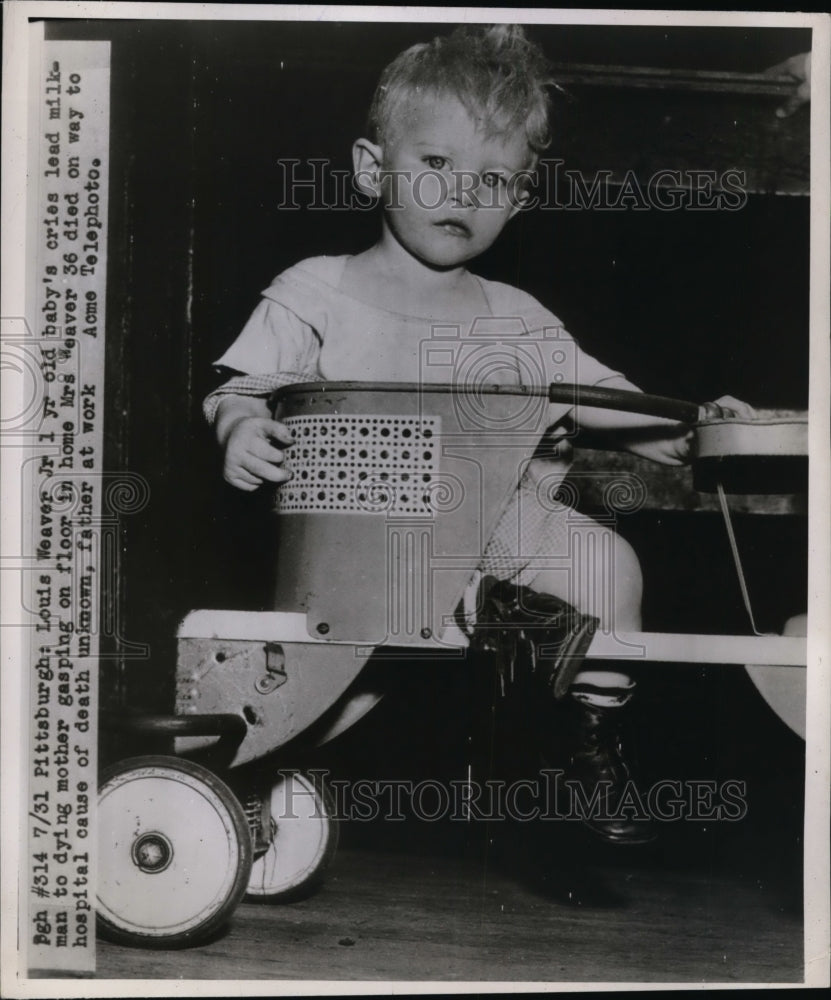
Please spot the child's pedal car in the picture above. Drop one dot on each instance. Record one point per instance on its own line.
(396, 490)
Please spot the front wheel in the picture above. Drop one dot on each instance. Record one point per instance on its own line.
(174, 852)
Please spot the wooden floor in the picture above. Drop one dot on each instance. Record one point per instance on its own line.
(523, 902)
(409, 908)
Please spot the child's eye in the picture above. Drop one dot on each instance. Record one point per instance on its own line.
(435, 162)
(492, 180)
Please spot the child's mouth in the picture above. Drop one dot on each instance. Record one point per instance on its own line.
(454, 227)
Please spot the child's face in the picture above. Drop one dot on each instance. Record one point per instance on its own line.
(448, 189)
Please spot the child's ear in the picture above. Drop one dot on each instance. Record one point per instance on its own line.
(366, 163)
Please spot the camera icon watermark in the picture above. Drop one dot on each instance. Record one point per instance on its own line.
(43, 389)
(500, 369)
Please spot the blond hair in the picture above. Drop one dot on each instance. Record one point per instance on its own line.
(498, 75)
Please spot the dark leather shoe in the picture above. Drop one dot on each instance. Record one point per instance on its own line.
(531, 634)
(599, 778)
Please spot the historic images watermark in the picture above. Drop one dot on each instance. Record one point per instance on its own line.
(547, 797)
(316, 184)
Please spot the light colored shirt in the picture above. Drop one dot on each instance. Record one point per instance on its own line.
(306, 323)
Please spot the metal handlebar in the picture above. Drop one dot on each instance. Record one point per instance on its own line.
(557, 392)
(224, 725)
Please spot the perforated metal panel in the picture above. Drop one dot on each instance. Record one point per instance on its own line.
(366, 464)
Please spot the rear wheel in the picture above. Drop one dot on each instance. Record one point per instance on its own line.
(174, 852)
(302, 839)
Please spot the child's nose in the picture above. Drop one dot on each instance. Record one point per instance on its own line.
(465, 185)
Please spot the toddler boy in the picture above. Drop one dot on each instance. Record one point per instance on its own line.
(456, 128)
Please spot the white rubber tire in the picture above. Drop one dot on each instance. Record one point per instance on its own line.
(304, 839)
(174, 852)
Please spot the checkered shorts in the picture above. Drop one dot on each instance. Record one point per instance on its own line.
(533, 525)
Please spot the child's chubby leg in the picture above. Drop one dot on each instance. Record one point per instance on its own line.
(601, 577)
(595, 570)
(589, 565)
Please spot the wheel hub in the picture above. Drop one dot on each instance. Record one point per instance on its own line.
(152, 852)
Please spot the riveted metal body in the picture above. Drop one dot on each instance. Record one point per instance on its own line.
(395, 492)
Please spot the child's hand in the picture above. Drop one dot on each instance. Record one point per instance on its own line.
(798, 68)
(726, 407)
(675, 448)
(250, 457)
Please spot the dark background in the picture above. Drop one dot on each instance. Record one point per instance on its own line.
(691, 304)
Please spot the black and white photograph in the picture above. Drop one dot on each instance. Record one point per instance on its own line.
(415, 465)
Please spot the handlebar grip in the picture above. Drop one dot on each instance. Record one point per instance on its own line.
(624, 399)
